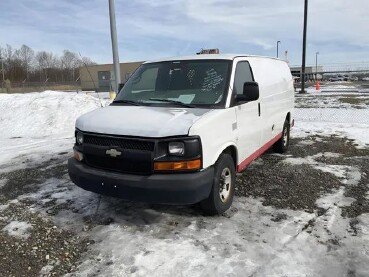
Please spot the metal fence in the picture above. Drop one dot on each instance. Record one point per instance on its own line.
(338, 102)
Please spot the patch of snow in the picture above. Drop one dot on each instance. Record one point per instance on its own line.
(336, 199)
(348, 175)
(364, 224)
(3, 207)
(328, 115)
(351, 248)
(331, 155)
(2, 182)
(45, 271)
(18, 229)
(42, 114)
(143, 240)
(358, 132)
(343, 116)
(306, 142)
(41, 127)
(14, 201)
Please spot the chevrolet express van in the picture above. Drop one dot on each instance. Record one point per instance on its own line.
(180, 129)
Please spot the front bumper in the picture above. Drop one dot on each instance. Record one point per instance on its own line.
(176, 188)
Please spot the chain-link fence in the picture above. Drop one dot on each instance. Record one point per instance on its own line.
(334, 102)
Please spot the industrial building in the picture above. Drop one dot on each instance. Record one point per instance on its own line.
(100, 77)
(309, 71)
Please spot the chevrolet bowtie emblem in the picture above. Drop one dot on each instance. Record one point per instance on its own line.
(113, 153)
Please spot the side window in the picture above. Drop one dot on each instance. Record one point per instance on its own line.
(146, 80)
(243, 74)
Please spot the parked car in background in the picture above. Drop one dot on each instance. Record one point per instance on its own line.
(335, 79)
(181, 128)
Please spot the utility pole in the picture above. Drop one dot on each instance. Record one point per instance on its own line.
(114, 43)
(304, 49)
(316, 65)
(278, 42)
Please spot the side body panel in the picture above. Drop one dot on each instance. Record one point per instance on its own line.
(241, 126)
(276, 94)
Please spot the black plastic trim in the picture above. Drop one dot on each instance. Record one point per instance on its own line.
(181, 189)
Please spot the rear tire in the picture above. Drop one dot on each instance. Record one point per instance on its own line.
(222, 192)
(281, 146)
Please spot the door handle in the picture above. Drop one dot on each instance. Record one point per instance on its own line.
(259, 108)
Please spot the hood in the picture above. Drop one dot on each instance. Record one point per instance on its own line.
(141, 121)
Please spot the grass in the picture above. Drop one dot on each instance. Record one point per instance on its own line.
(353, 100)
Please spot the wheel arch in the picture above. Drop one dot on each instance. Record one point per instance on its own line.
(288, 117)
(231, 149)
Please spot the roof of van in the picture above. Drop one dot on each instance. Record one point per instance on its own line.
(210, 57)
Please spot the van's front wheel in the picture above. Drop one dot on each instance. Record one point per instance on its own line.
(221, 195)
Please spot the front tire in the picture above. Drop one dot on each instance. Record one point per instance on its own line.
(222, 192)
(281, 146)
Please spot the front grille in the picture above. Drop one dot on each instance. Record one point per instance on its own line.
(120, 165)
(122, 143)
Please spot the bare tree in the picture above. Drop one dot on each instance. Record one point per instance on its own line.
(69, 61)
(45, 61)
(24, 64)
(27, 55)
(87, 61)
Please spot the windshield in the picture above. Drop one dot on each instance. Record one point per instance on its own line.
(192, 83)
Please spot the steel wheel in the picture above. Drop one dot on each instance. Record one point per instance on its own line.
(285, 137)
(225, 184)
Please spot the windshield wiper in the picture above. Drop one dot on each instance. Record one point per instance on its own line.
(127, 102)
(173, 101)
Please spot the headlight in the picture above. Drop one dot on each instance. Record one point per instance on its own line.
(176, 148)
(79, 138)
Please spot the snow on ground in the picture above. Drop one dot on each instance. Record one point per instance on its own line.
(326, 116)
(162, 241)
(18, 229)
(39, 125)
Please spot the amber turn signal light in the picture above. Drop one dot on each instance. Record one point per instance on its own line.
(78, 155)
(170, 166)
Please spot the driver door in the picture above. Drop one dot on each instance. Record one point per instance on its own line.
(249, 122)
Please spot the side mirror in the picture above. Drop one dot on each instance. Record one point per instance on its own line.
(250, 92)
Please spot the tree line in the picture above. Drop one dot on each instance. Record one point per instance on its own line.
(26, 65)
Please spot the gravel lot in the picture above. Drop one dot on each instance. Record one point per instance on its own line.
(53, 248)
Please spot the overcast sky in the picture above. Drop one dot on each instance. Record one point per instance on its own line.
(148, 29)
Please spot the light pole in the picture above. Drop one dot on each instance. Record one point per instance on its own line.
(304, 48)
(316, 65)
(114, 43)
(278, 42)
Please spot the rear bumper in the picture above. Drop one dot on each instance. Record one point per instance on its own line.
(182, 188)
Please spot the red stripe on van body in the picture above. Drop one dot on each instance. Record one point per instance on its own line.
(258, 153)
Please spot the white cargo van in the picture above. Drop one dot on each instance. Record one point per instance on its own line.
(181, 128)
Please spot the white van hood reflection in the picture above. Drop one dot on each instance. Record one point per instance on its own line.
(141, 121)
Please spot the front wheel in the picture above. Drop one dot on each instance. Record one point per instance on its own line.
(281, 146)
(222, 192)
